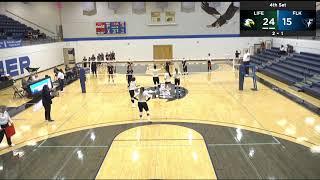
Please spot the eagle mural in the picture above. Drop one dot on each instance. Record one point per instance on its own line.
(215, 11)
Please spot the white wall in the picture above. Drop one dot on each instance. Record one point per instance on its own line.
(75, 24)
(143, 49)
(2, 7)
(312, 46)
(44, 14)
(44, 56)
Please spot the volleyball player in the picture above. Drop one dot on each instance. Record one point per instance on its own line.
(184, 66)
(236, 54)
(155, 78)
(177, 79)
(129, 72)
(237, 59)
(143, 97)
(132, 87)
(167, 80)
(110, 72)
(84, 61)
(94, 68)
(107, 56)
(209, 62)
(167, 67)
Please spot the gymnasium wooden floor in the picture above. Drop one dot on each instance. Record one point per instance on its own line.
(213, 99)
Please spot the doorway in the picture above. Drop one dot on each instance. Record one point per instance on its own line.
(162, 52)
(69, 56)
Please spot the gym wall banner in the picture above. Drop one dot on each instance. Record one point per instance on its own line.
(10, 43)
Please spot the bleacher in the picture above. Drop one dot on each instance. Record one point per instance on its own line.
(301, 70)
(10, 28)
(264, 57)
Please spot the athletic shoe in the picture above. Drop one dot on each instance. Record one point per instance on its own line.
(50, 120)
(133, 105)
(12, 145)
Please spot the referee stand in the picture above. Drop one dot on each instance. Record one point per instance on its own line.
(252, 74)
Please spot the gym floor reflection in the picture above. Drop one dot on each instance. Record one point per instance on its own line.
(162, 150)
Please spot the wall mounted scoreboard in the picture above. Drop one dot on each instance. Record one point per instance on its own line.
(111, 28)
(278, 18)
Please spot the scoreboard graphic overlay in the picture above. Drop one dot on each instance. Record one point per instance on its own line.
(278, 18)
(111, 28)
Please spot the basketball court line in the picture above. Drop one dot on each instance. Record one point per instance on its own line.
(244, 144)
(41, 146)
(157, 139)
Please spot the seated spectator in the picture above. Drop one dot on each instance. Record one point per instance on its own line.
(35, 35)
(44, 36)
(282, 50)
(34, 77)
(289, 48)
(24, 83)
(68, 73)
(29, 34)
(29, 80)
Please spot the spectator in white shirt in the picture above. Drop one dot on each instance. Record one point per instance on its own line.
(61, 79)
(282, 50)
(246, 61)
(34, 77)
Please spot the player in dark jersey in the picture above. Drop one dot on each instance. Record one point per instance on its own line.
(129, 72)
(184, 66)
(110, 72)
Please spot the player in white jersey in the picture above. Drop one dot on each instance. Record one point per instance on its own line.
(142, 97)
(132, 87)
(176, 76)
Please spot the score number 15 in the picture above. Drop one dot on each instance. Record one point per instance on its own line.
(287, 21)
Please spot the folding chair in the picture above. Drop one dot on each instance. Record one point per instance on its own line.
(17, 92)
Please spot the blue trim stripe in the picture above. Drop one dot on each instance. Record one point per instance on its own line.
(154, 37)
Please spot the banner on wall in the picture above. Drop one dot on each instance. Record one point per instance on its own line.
(111, 28)
(14, 66)
(10, 43)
